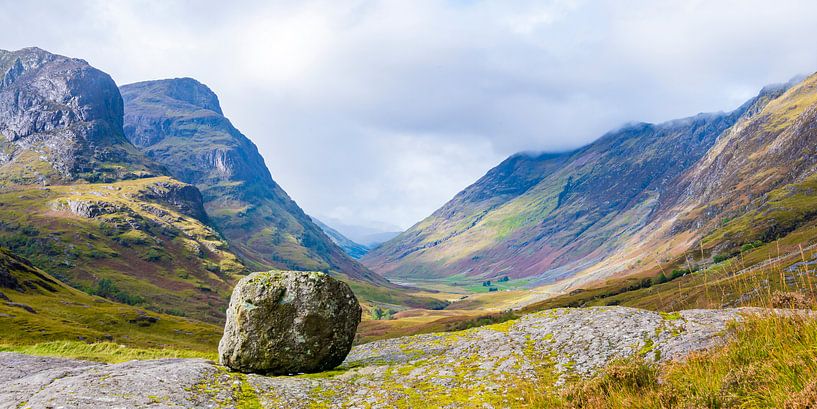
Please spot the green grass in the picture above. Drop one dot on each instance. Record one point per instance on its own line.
(103, 352)
(391, 296)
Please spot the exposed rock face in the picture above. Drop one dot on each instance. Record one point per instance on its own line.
(184, 198)
(478, 365)
(286, 322)
(61, 124)
(7, 280)
(61, 119)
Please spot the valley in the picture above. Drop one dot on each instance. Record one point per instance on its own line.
(129, 213)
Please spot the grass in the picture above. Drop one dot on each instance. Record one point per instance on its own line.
(771, 362)
(103, 351)
(725, 284)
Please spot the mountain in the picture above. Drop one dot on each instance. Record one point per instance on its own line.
(371, 234)
(543, 218)
(351, 248)
(81, 202)
(179, 124)
(61, 120)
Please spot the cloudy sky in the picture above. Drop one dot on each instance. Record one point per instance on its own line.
(370, 111)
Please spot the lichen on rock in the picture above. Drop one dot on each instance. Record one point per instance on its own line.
(287, 322)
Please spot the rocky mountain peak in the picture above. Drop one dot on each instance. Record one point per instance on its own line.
(60, 119)
(183, 91)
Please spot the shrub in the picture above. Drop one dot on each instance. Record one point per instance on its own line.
(483, 320)
(749, 246)
(153, 255)
(662, 278)
(722, 257)
(106, 288)
(678, 273)
(381, 314)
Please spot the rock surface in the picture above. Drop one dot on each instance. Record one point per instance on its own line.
(459, 369)
(289, 322)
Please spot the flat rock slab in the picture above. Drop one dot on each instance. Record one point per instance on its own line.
(444, 370)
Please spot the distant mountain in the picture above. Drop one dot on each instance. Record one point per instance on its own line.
(375, 240)
(370, 235)
(549, 217)
(351, 248)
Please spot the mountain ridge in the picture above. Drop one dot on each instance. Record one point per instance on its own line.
(547, 217)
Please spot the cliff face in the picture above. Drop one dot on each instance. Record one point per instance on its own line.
(179, 123)
(61, 120)
(771, 148)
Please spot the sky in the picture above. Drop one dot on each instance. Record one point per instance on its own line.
(378, 112)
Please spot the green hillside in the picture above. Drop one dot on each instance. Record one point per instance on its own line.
(140, 236)
(37, 308)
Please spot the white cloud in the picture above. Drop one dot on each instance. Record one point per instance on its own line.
(370, 110)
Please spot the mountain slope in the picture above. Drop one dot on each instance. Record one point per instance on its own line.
(351, 248)
(179, 123)
(142, 234)
(35, 307)
(548, 217)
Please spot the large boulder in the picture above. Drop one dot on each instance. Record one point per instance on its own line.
(287, 322)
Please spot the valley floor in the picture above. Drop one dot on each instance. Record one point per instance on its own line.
(590, 357)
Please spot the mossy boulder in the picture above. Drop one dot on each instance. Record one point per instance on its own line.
(287, 322)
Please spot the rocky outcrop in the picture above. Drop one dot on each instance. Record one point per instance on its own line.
(433, 370)
(85, 208)
(182, 197)
(7, 280)
(288, 322)
(65, 115)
